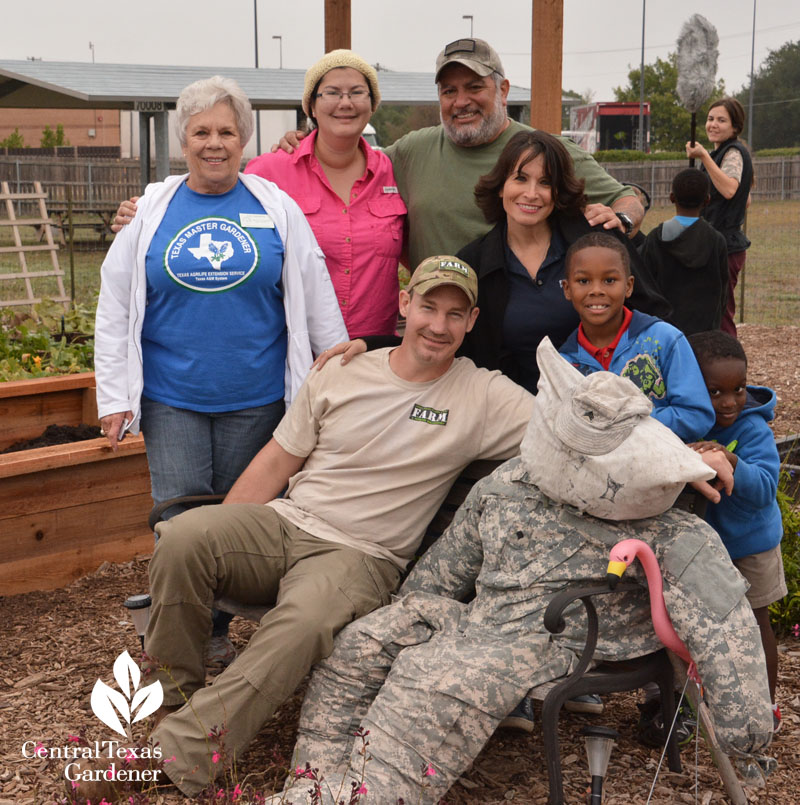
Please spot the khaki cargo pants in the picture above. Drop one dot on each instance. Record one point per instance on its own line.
(249, 553)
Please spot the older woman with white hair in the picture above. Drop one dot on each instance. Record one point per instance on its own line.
(213, 303)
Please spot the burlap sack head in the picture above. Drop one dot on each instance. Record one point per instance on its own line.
(592, 443)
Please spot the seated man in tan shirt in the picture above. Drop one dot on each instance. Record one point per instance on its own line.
(369, 452)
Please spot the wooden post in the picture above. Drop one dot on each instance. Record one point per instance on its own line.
(546, 47)
(337, 24)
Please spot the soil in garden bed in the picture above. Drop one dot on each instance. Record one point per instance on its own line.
(56, 434)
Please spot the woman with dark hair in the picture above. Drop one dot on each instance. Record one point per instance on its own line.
(536, 203)
(730, 169)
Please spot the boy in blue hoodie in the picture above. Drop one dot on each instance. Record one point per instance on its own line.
(749, 521)
(653, 354)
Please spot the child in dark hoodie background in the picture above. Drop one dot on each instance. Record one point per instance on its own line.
(689, 258)
(749, 521)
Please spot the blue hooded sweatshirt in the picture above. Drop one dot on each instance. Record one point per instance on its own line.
(657, 358)
(749, 521)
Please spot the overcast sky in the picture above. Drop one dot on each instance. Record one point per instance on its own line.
(601, 40)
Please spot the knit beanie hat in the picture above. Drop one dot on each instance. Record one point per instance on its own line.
(340, 58)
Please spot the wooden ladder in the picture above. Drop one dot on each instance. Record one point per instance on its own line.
(21, 250)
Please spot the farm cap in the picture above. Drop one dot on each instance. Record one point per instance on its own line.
(476, 54)
(445, 270)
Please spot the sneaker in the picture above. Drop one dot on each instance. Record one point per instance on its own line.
(588, 703)
(776, 718)
(220, 652)
(650, 729)
(520, 718)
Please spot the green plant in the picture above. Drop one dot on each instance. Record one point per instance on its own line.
(778, 152)
(14, 140)
(626, 155)
(785, 613)
(46, 341)
(51, 139)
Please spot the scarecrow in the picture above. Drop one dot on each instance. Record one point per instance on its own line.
(431, 677)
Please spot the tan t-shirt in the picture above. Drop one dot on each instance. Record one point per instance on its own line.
(383, 452)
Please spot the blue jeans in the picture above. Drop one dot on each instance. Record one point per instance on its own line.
(194, 453)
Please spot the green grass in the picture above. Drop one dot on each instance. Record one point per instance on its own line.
(88, 256)
(771, 278)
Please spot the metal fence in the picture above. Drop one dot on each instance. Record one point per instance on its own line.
(776, 178)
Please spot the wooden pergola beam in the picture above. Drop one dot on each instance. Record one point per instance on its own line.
(546, 47)
(337, 25)
(547, 40)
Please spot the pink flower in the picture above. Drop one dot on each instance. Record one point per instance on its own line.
(74, 785)
(237, 792)
(215, 757)
(74, 738)
(220, 794)
(39, 750)
(429, 771)
(129, 756)
(362, 790)
(170, 759)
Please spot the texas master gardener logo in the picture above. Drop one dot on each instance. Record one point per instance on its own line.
(136, 703)
(211, 255)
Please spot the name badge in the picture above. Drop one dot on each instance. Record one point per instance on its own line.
(254, 220)
(390, 189)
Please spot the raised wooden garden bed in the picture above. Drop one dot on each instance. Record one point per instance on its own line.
(65, 509)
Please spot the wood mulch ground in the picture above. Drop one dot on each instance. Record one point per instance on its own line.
(56, 644)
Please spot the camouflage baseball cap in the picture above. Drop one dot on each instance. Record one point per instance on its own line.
(445, 270)
(476, 54)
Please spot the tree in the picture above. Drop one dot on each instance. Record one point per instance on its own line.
(14, 140)
(51, 139)
(392, 122)
(776, 101)
(670, 123)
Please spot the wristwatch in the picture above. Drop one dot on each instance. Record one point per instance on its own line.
(627, 223)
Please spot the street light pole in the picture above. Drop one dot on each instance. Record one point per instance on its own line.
(752, 70)
(258, 113)
(468, 17)
(280, 51)
(641, 87)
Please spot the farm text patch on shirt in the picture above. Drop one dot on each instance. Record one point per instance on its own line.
(429, 415)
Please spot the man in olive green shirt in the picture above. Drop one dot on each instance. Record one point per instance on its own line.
(437, 168)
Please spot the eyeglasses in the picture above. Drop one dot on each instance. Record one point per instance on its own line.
(358, 95)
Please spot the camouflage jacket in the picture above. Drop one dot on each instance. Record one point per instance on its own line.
(515, 548)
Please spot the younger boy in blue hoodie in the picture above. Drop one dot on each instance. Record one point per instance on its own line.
(651, 353)
(749, 521)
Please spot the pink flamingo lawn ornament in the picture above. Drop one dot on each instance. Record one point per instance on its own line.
(620, 557)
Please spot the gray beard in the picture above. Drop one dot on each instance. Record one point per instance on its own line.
(480, 133)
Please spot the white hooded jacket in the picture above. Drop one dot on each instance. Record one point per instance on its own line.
(313, 319)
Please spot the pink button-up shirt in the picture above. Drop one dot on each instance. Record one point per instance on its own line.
(362, 239)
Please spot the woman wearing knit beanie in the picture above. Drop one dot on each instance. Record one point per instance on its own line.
(346, 190)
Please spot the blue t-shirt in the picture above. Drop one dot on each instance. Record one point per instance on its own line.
(214, 333)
